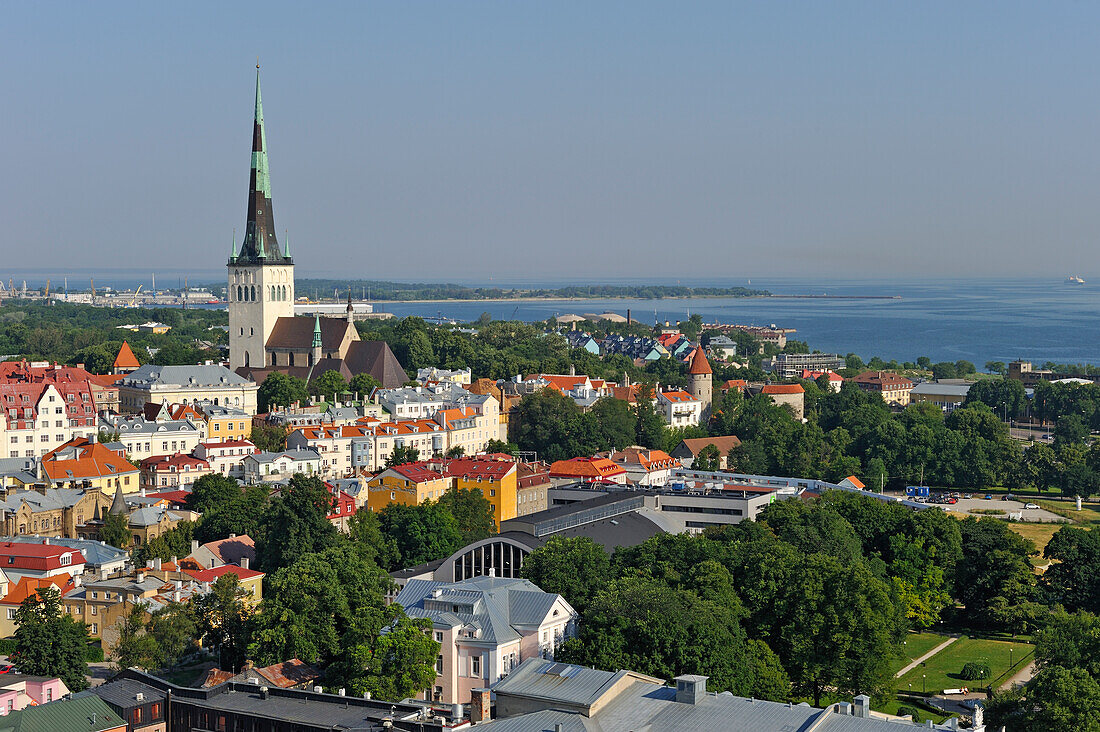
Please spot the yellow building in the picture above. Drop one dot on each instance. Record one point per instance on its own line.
(413, 483)
(410, 484)
(226, 423)
(83, 463)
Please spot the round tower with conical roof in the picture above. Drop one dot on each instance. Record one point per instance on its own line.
(701, 380)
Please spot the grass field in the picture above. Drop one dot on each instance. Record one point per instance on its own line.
(942, 670)
(916, 645)
(1089, 515)
(1038, 533)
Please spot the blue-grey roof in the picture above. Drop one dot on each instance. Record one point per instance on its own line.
(185, 376)
(95, 553)
(270, 457)
(499, 607)
(545, 721)
(932, 388)
(560, 683)
(126, 426)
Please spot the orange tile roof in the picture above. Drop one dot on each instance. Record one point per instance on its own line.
(585, 467)
(562, 383)
(677, 396)
(93, 461)
(126, 358)
(782, 389)
(28, 586)
(734, 384)
(856, 482)
(699, 363)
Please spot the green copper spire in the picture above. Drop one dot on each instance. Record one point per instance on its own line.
(234, 254)
(259, 157)
(316, 331)
(286, 243)
(262, 252)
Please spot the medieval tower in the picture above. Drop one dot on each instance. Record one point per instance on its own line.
(261, 276)
(700, 382)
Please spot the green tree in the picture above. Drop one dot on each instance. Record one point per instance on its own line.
(472, 512)
(455, 451)
(328, 384)
(1073, 578)
(996, 581)
(508, 448)
(1070, 429)
(650, 431)
(135, 647)
(707, 459)
(295, 523)
(116, 530)
(612, 423)
(1080, 480)
(268, 437)
(211, 491)
(240, 516)
(223, 620)
(996, 367)
(1071, 640)
(49, 642)
(176, 542)
(173, 629)
(280, 390)
(575, 568)
(363, 385)
(421, 533)
(1056, 698)
(402, 454)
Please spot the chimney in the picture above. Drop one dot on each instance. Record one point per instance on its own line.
(844, 708)
(456, 712)
(157, 564)
(244, 562)
(342, 691)
(46, 541)
(194, 545)
(140, 577)
(862, 706)
(263, 692)
(690, 689)
(479, 705)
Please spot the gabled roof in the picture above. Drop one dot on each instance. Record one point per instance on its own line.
(81, 458)
(694, 444)
(782, 389)
(210, 575)
(126, 358)
(585, 467)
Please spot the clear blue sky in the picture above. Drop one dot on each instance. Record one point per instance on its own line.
(459, 139)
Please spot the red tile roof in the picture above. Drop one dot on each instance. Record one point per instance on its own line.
(210, 575)
(19, 555)
(92, 460)
(416, 472)
(126, 358)
(699, 363)
(179, 462)
(782, 389)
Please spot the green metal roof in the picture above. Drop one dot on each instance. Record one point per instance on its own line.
(79, 714)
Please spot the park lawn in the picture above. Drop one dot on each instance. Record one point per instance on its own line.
(916, 645)
(1089, 515)
(1039, 533)
(942, 670)
(891, 706)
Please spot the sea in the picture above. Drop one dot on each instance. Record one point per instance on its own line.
(975, 319)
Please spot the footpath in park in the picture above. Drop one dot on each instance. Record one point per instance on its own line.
(918, 661)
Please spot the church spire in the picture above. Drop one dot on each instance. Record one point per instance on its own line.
(260, 242)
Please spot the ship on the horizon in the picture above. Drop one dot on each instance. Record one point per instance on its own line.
(1074, 280)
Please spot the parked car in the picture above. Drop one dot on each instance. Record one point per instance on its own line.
(968, 495)
(1030, 505)
(989, 496)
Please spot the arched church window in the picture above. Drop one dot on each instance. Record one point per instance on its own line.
(253, 293)
(238, 293)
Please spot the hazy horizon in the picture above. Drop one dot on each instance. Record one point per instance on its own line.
(500, 142)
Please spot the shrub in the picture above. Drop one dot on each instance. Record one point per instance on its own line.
(93, 653)
(911, 712)
(7, 646)
(975, 671)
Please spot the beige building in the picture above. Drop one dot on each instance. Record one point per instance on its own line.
(894, 388)
(185, 385)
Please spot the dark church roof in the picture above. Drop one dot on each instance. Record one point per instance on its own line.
(364, 357)
(297, 333)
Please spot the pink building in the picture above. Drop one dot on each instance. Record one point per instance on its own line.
(18, 691)
(486, 626)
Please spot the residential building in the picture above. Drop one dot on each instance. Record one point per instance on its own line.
(893, 388)
(787, 366)
(145, 708)
(409, 484)
(947, 397)
(722, 347)
(414, 483)
(541, 695)
(226, 457)
(584, 391)
(43, 410)
(486, 626)
(84, 463)
(238, 550)
(432, 375)
(87, 714)
(532, 483)
(17, 472)
(16, 591)
(264, 708)
(836, 381)
(251, 580)
(53, 512)
(19, 691)
(689, 449)
(292, 674)
(679, 408)
(103, 602)
(172, 471)
(145, 438)
(39, 561)
(583, 341)
(224, 423)
(343, 508)
(265, 466)
(99, 557)
(644, 466)
(186, 385)
(587, 470)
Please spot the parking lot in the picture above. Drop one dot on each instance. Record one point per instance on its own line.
(968, 505)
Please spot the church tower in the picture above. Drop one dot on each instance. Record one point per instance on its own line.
(700, 381)
(261, 276)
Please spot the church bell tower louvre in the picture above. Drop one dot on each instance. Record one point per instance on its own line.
(261, 273)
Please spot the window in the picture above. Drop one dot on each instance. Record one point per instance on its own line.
(49, 694)
(475, 665)
(95, 628)
(154, 712)
(439, 665)
(439, 636)
(11, 613)
(137, 716)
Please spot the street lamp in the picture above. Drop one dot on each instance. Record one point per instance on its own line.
(924, 683)
(1010, 649)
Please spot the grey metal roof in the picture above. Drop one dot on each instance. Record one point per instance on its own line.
(123, 693)
(495, 605)
(141, 426)
(932, 388)
(559, 683)
(185, 376)
(544, 721)
(96, 553)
